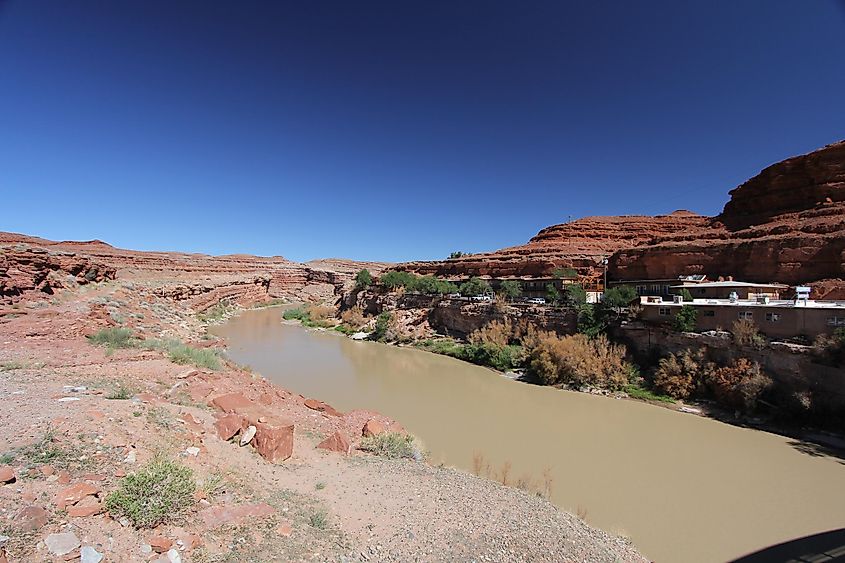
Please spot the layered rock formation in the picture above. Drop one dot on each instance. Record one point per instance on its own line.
(786, 224)
(580, 244)
(32, 267)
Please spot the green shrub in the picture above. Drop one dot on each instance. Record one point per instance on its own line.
(638, 392)
(553, 296)
(217, 313)
(592, 320)
(363, 279)
(157, 493)
(456, 254)
(684, 320)
(180, 353)
(576, 296)
(120, 392)
(683, 375)
(564, 273)
(319, 520)
(113, 338)
(502, 358)
(395, 279)
(686, 295)
(382, 325)
(391, 445)
(295, 314)
(619, 296)
(745, 333)
(830, 350)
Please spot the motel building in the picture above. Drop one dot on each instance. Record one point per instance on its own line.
(774, 317)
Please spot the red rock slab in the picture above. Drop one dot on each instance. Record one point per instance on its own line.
(191, 422)
(31, 518)
(147, 398)
(64, 477)
(94, 477)
(335, 443)
(85, 511)
(231, 402)
(74, 494)
(199, 390)
(46, 470)
(229, 425)
(7, 475)
(190, 541)
(316, 405)
(274, 440)
(160, 544)
(372, 428)
(216, 516)
(285, 528)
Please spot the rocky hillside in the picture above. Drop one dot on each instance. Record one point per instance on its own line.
(786, 224)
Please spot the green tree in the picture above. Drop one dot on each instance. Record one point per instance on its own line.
(382, 324)
(456, 254)
(591, 320)
(511, 288)
(552, 294)
(684, 320)
(394, 279)
(475, 286)
(576, 295)
(619, 296)
(363, 279)
(685, 295)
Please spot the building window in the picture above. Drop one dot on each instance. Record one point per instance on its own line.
(664, 311)
(708, 313)
(746, 315)
(836, 321)
(773, 317)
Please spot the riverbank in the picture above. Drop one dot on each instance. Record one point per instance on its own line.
(84, 416)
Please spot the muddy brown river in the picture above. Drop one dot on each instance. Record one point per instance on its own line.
(682, 487)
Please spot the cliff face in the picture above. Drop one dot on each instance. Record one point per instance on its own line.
(786, 224)
(32, 268)
(580, 244)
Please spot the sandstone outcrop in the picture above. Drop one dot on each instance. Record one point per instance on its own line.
(786, 224)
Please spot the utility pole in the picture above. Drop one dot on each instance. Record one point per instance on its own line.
(604, 263)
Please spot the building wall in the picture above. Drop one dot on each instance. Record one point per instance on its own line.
(774, 322)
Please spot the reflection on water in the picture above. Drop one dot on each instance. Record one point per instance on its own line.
(684, 488)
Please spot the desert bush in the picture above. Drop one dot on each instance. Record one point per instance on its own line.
(682, 375)
(502, 358)
(113, 338)
(831, 349)
(157, 493)
(578, 360)
(392, 445)
(497, 333)
(354, 317)
(684, 320)
(217, 312)
(180, 353)
(319, 313)
(739, 384)
(745, 333)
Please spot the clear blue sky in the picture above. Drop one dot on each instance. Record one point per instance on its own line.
(396, 130)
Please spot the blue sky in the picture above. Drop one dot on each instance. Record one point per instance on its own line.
(396, 130)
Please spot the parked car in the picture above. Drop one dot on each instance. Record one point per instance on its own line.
(454, 296)
(484, 297)
(536, 301)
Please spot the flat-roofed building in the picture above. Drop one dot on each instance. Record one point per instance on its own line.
(724, 289)
(774, 318)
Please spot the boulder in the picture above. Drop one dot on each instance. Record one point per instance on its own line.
(335, 443)
(316, 405)
(84, 511)
(160, 544)
(229, 425)
(274, 439)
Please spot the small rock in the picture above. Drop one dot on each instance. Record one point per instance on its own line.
(285, 528)
(3, 540)
(335, 443)
(7, 475)
(372, 428)
(131, 458)
(68, 399)
(247, 436)
(63, 477)
(124, 522)
(61, 544)
(173, 556)
(146, 548)
(160, 544)
(47, 470)
(193, 450)
(90, 555)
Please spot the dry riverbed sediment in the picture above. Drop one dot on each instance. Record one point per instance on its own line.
(79, 418)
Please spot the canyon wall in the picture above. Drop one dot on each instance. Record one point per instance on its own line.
(787, 224)
(34, 268)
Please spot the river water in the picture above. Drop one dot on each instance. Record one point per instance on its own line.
(682, 487)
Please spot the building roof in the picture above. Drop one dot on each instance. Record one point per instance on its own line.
(780, 303)
(717, 284)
